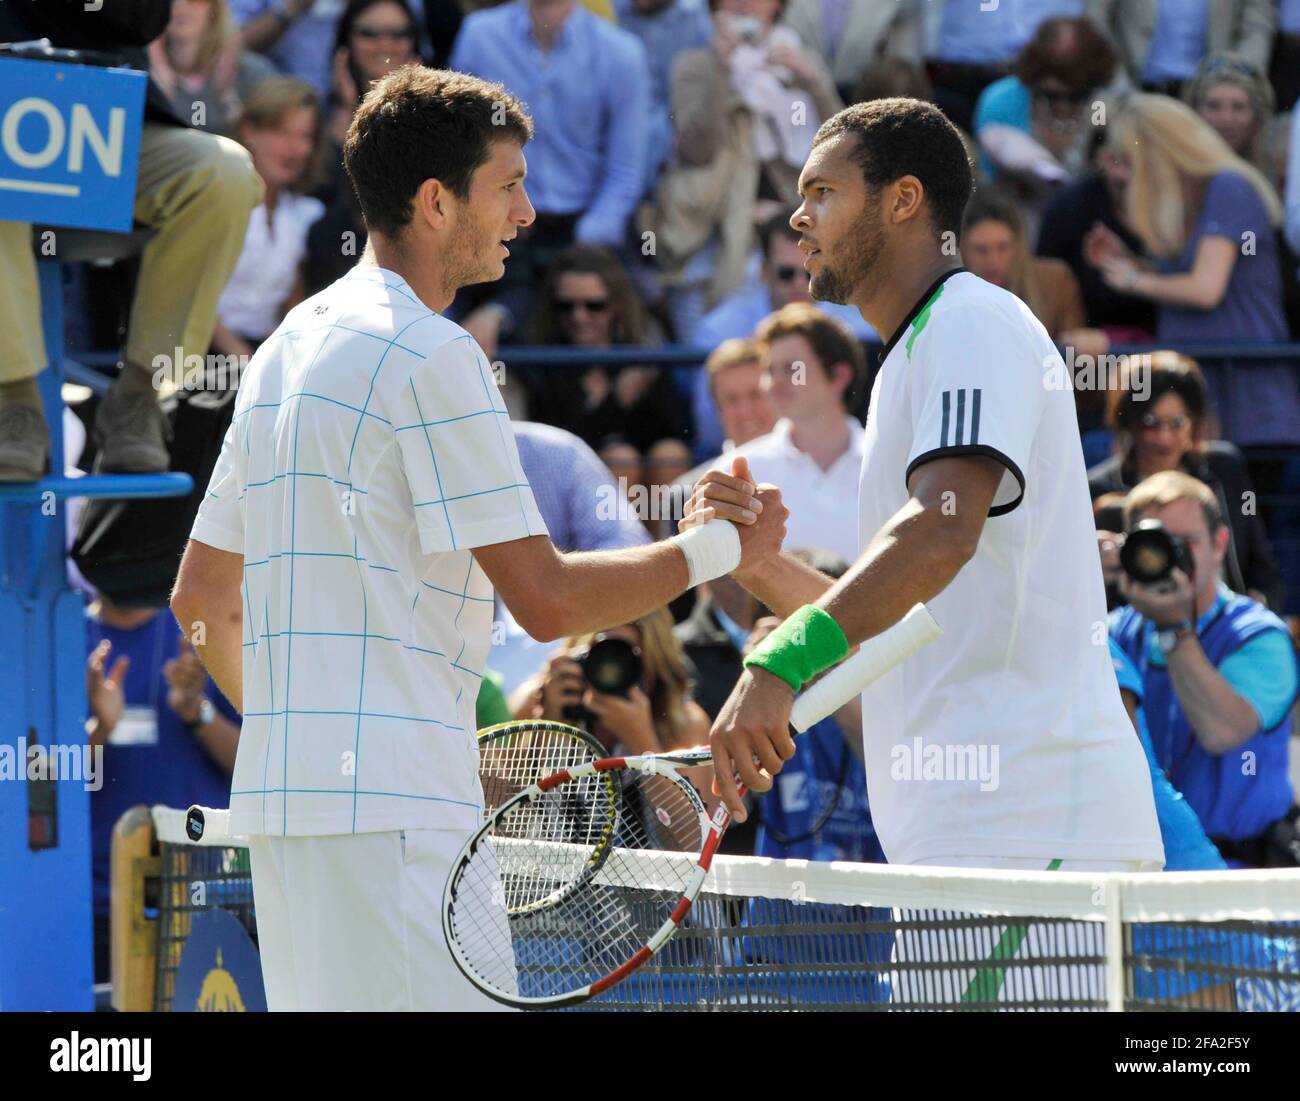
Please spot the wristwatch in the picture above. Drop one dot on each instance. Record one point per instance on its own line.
(207, 712)
(1168, 638)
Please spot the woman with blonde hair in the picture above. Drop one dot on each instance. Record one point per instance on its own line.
(280, 126)
(199, 63)
(1207, 220)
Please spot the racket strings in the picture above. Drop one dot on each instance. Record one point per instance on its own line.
(538, 915)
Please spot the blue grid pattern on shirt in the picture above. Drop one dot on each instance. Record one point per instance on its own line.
(363, 412)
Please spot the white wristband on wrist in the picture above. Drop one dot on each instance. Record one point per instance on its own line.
(711, 550)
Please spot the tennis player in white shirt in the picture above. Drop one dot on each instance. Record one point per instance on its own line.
(973, 499)
(338, 583)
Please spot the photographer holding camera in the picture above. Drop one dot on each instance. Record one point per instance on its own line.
(630, 686)
(1218, 670)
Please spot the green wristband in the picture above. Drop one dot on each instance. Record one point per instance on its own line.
(805, 644)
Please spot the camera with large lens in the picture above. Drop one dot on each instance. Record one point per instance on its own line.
(611, 665)
(1151, 552)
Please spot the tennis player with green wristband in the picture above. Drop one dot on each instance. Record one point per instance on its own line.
(972, 500)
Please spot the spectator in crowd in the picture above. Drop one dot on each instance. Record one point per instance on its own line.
(199, 65)
(666, 28)
(1158, 413)
(734, 374)
(587, 84)
(1219, 680)
(783, 280)
(1032, 126)
(735, 377)
(1284, 75)
(1098, 199)
(1208, 219)
(1161, 43)
(657, 714)
(581, 507)
(167, 735)
(994, 247)
(977, 43)
(853, 37)
(892, 77)
(280, 127)
(301, 36)
(630, 414)
(1234, 97)
(373, 37)
(814, 453)
(744, 112)
(195, 189)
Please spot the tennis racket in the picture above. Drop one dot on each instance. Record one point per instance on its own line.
(537, 919)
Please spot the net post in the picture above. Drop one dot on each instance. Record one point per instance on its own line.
(1114, 887)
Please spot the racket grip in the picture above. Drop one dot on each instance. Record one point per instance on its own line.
(874, 658)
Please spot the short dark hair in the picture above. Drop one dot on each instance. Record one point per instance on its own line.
(908, 137)
(831, 340)
(1072, 50)
(417, 124)
(1168, 372)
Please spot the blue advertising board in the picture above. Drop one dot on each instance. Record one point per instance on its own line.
(219, 970)
(69, 143)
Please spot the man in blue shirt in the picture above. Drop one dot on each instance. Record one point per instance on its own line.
(587, 85)
(168, 735)
(1219, 679)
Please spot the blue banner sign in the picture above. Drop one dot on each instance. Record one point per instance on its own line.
(69, 143)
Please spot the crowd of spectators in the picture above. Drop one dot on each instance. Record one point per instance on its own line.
(1138, 184)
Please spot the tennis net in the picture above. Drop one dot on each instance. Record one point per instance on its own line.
(804, 936)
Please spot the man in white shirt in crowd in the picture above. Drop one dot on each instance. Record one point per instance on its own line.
(814, 453)
(338, 583)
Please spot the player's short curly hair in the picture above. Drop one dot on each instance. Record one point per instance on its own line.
(908, 137)
(417, 124)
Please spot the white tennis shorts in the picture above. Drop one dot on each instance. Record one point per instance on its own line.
(354, 922)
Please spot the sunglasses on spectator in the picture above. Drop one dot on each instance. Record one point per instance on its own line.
(373, 33)
(591, 305)
(1175, 423)
(786, 272)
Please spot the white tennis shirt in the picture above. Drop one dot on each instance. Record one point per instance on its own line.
(1007, 736)
(370, 450)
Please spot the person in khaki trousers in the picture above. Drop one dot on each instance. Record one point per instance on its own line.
(197, 191)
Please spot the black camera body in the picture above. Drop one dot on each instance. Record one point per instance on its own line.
(1151, 553)
(611, 665)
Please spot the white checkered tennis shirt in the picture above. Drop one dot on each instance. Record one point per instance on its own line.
(370, 450)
